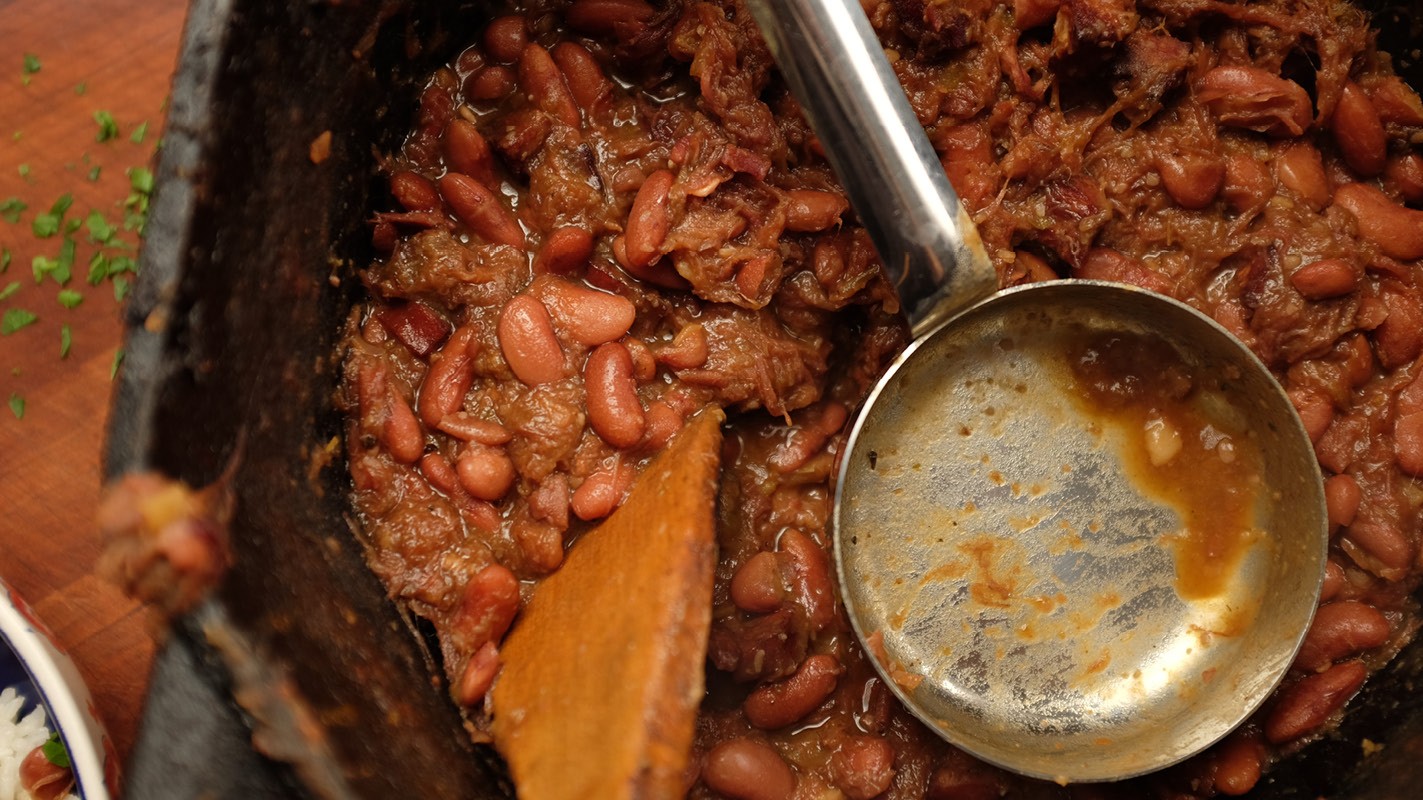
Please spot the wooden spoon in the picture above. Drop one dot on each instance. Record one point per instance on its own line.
(602, 673)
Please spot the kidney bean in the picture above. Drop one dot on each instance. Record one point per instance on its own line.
(614, 410)
(1034, 266)
(644, 364)
(748, 769)
(543, 83)
(1248, 185)
(588, 316)
(1405, 174)
(491, 83)
(1251, 98)
(491, 599)
(589, 86)
(863, 767)
(1340, 630)
(1380, 548)
(650, 219)
(1315, 411)
(1299, 168)
(1408, 443)
(1032, 13)
(752, 275)
(663, 422)
(1238, 760)
(776, 705)
(1342, 496)
(688, 349)
(1106, 264)
(808, 570)
(449, 378)
(467, 152)
(540, 544)
(505, 38)
(1359, 132)
(477, 207)
(1356, 359)
(1399, 338)
(1304, 707)
(468, 428)
(1334, 580)
(478, 675)
(1325, 278)
(549, 502)
(601, 492)
(527, 340)
(1193, 179)
(1395, 101)
(805, 440)
(414, 191)
(401, 434)
(416, 325)
(603, 17)
(811, 211)
(384, 236)
(437, 470)
(1397, 230)
(757, 585)
(485, 472)
(565, 252)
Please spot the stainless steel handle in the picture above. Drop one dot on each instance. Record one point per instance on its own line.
(837, 69)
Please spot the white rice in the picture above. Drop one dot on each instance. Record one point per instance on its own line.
(18, 737)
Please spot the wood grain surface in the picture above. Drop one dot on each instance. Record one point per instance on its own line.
(93, 55)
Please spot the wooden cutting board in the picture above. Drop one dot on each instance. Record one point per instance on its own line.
(93, 55)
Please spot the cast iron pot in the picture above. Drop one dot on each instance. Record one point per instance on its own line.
(248, 273)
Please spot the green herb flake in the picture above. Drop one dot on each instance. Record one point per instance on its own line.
(69, 298)
(45, 225)
(40, 266)
(62, 204)
(24, 170)
(11, 208)
(98, 269)
(118, 265)
(17, 407)
(66, 340)
(32, 63)
(81, 87)
(94, 173)
(140, 179)
(121, 286)
(4, 259)
(54, 751)
(9, 290)
(108, 128)
(64, 267)
(114, 367)
(100, 229)
(15, 319)
(139, 132)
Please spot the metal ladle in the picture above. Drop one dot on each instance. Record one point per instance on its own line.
(969, 472)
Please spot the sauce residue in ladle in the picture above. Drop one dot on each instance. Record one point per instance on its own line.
(1176, 447)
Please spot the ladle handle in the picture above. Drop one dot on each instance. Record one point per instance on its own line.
(838, 71)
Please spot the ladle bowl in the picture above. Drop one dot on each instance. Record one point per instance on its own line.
(1025, 582)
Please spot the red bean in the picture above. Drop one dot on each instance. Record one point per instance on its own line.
(505, 38)
(1342, 496)
(1193, 179)
(1304, 707)
(478, 675)
(414, 191)
(451, 373)
(1408, 443)
(1359, 132)
(804, 441)
(1334, 579)
(477, 207)
(588, 316)
(1398, 231)
(1399, 338)
(1315, 411)
(491, 599)
(544, 85)
(549, 502)
(748, 769)
(1248, 185)
(1106, 264)
(1237, 764)
(650, 219)
(401, 433)
(1395, 101)
(1326, 278)
(540, 544)
(1299, 168)
(490, 83)
(776, 705)
(1379, 547)
(758, 585)
(689, 349)
(565, 252)
(468, 428)
(811, 211)
(1405, 173)
(863, 767)
(808, 569)
(527, 340)
(644, 365)
(614, 410)
(590, 88)
(467, 152)
(1251, 98)
(1034, 266)
(485, 472)
(663, 422)
(602, 17)
(601, 492)
(1341, 630)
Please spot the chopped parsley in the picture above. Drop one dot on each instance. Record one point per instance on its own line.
(17, 407)
(94, 173)
(48, 224)
(120, 288)
(11, 208)
(4, 259)
(66, 339)
(118, 359)
(100, 229)
(9, 290)
(54, 751)
(69, 298)
(139, 132)
(108, 128)
(98, 269)
(15, 319)
(24, 170)
(32, 63)
(81, 87)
